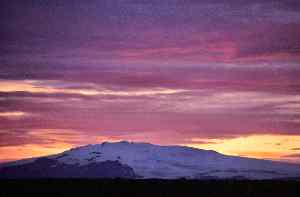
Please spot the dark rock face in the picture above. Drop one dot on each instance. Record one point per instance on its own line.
(49, 168)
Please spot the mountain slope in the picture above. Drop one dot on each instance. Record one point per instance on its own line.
(142, 160)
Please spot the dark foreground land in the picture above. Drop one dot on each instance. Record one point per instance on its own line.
(154, 188)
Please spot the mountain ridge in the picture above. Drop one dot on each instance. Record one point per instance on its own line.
(145, 160)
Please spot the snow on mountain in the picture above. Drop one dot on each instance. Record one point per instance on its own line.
(167, 162)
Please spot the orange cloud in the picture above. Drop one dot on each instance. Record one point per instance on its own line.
(267, 146)
(11, 153)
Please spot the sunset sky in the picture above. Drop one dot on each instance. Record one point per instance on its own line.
(212, 74)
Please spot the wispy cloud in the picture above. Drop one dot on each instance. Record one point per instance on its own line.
(14, 114)
(49, 87)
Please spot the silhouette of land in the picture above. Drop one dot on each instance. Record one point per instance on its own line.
(141, 188)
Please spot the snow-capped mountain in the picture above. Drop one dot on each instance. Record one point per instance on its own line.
(143, 160)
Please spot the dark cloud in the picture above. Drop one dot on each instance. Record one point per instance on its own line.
(279, 39)
(293, 155)
(40, 33)
(295, 149)
(42, 137)
(18, 137)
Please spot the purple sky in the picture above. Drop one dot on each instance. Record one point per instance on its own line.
(159, 71)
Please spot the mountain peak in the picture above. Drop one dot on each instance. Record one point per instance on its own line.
(125, 142)
(117, 142)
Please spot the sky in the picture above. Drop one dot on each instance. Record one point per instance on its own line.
(211, 74)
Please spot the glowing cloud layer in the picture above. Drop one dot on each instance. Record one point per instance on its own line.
(225, 73)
